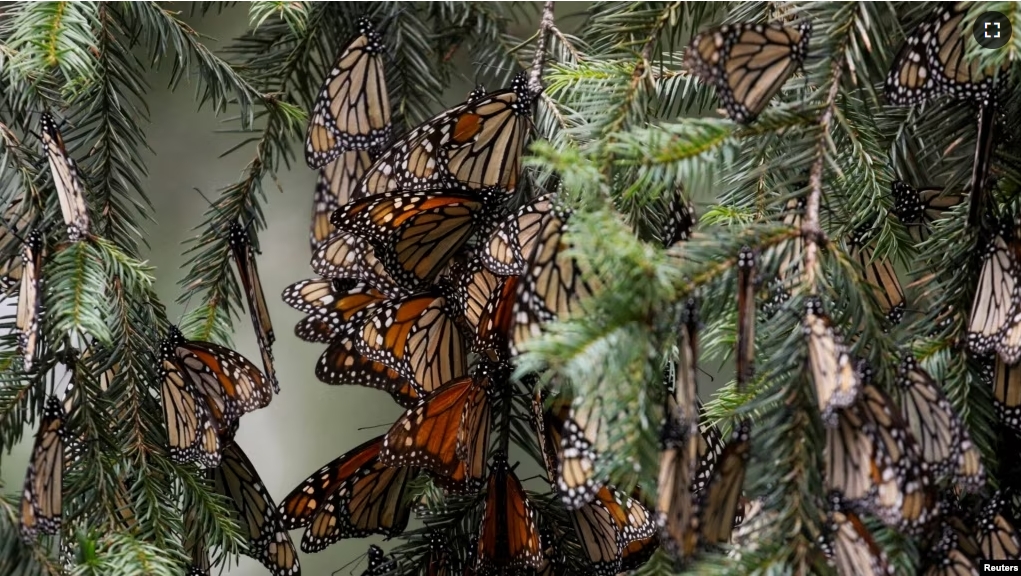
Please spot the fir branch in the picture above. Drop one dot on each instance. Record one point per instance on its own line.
(616, 121)
(52, 37)
(210, 270)
(19, 402)
(419, 70)
(107, 123)
(294, 14)
(480, 30)
(120, 553)
(76, 293)
(220, 84)
(22, 163)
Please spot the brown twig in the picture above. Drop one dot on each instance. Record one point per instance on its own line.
(539, 59)
(810, 224)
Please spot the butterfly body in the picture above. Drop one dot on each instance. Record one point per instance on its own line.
(67, 179)
(470, 147)
(244, 258)
(42, 496)
(30, 299)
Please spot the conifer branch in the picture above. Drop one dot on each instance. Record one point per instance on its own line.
(14, 156)
(210, 272)
(107, 121)
(221, 84)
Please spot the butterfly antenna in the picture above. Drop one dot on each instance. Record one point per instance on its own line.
(374, 426)
(184, 310)
(357, 559)
(384, 24)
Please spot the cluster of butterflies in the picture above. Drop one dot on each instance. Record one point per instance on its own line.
(430, 281)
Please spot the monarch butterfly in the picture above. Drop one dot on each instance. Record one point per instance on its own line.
(30, 301)
(415, 234)
(442, 561)
(244, 259)
(585, 436)
(918, 209)
(748, 63)
(488, 302)
(942, 436)
(342, 364)
(1007, 394)
(335, 307)
(352, 111)
(474, 286)
(850, 547)
(16, 220)
(898, 478)
(448, 428)
(553, 283)
(418, 337)
(932, 62)
(955, 552)
(344, 255)
(508, 538)
(686, 467)
(955, 75)
(350, 497)
(548, 422)
(719, 508)
(684, 445)
(206, 388)
(599, 534)
(195, 545)
(268, 540)
(617, 533)
(836, 383)
(334, 185)
(745, 315)
(470, 147)
(379, 564)
(910, 80)
(879, 273)
(512, 241)
(676, 503)
(42, 497)
(680, 379)
(996, 296)
(639, 539)
(997, 538)
(67, 179)
(680, 220)
(1009, 346)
